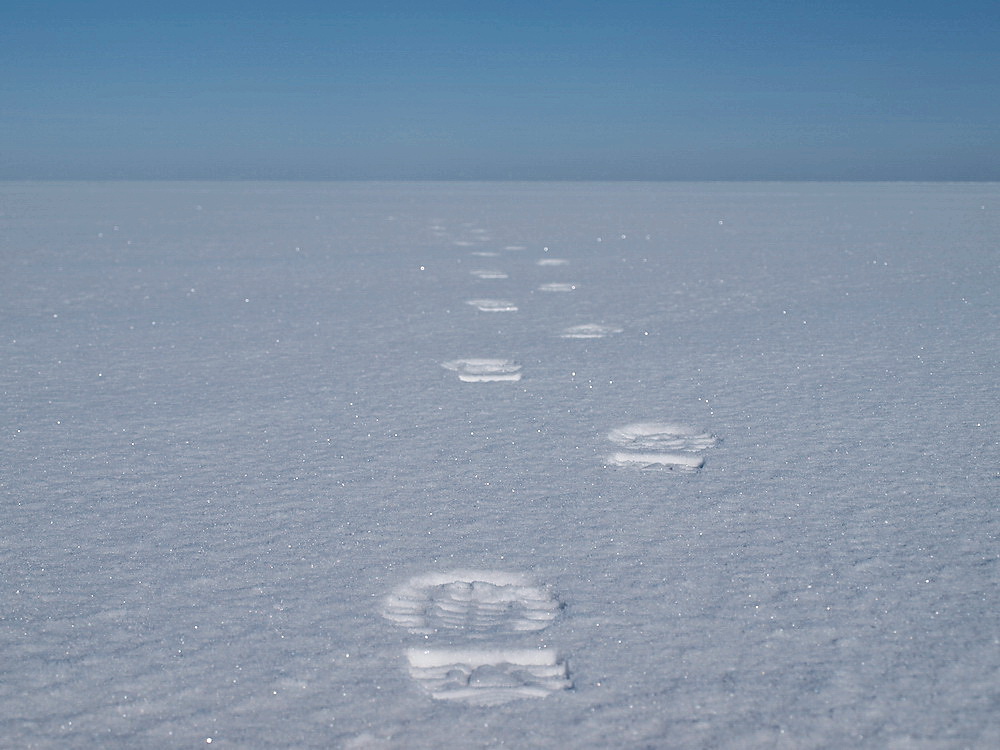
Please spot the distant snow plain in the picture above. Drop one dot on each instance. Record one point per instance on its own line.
(332, 465)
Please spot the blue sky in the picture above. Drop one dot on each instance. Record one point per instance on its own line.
(477, 89)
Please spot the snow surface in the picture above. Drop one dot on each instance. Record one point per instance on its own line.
(245, 505)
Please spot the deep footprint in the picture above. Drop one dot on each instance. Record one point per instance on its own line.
(488, 677)
(478, 603)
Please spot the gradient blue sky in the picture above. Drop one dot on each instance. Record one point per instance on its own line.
(477, 89)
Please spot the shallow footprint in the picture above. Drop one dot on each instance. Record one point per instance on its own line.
(492, 305)
(552, 262)
(557, 287)
(661, 435)
(480, 603)
(660, 445)
(486, 273)
(488, 677)
(589, 331)
(484, 370)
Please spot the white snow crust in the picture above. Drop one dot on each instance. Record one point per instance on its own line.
(245, 506)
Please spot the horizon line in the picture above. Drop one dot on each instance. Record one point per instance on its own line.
(867, 180)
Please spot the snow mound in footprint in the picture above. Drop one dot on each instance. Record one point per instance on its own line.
(477, 603)
(589, 331)
(484, 370)
(488, 677)
(660, 444)
(492, 305)
(557, 287)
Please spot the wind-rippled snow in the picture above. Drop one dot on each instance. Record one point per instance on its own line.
(228, 441)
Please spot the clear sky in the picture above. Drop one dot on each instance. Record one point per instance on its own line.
(518, 89)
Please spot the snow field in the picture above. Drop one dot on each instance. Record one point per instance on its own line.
(228, 444)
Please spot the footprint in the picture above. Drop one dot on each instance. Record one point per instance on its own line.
(480, 603)
(489, 274)
(589, 331)
(485, 254)
(487, 677)
(661, 435)
(552, 262)
(484, 370)
(660, 444)
(557, 287)
(682, 461)
(492, 305)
